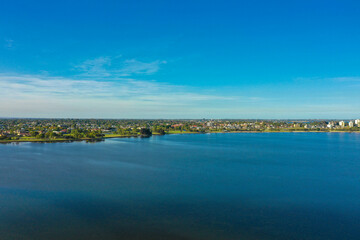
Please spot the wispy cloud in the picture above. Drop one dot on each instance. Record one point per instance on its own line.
(134, 66)
(117, 67)
(110, 84)
(30, 86)
(329, 79)
(95, 67)
(9, 43)
(121, 97)
(345, 79)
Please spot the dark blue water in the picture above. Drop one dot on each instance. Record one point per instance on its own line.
(211, 186)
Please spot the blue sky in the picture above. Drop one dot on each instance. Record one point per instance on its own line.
(180, 59)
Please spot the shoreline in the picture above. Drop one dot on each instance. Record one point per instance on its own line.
(155, 134)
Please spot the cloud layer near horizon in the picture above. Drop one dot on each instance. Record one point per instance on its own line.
(46, 96)
(110, 87)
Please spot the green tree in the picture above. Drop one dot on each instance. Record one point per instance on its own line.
(145, 132)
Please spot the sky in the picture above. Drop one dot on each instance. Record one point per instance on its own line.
(180, 59)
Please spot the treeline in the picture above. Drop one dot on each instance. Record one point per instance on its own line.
(75, 134)
(134, 131)
(5, 138)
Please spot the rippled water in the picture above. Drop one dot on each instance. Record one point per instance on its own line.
(206, 186)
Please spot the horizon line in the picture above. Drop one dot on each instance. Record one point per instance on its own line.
(75, 118)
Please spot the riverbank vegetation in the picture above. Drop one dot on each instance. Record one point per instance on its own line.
(54, 130)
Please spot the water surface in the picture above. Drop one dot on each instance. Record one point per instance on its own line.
(205, 186)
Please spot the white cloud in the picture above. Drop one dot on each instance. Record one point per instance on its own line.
(41, 96)
(45, 96)
(134, 66)
(95, 67)
(109, 87)
(29, 86)
(116, 67)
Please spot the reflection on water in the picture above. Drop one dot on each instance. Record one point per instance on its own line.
(217, 186)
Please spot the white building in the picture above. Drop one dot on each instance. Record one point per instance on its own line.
(342, 124)
(357, 121)
(351, 124)
(210, 124)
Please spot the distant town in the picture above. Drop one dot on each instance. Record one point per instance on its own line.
(53, 130)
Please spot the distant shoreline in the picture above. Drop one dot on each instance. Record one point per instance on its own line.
(155, 134)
